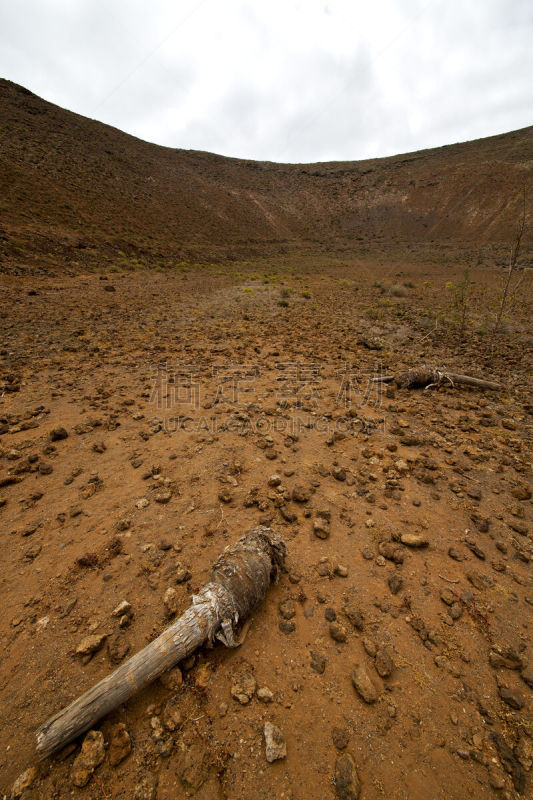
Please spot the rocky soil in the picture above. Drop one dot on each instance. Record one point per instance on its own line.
(149, 418)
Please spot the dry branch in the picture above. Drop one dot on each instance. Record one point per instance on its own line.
(239, 580)
(424, 377)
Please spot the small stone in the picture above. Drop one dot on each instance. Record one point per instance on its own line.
(330, 615)
(275, 746)
(338, 632)
(287, 609)
(384, 662)
(142, 503)
(370, 646)
(513, 698)
(455, 611)
(354, 615)
(414, 540)
(243, 688)
(496, 778)
(172, 716)
(321, 528)
(170, 600)
(172, 679)
(341, 737)
(265, 695)
(447, 596)
(395, 583)
(123, 608)
(117, 648)
(274, 480)
(456, 554)
(287, 627)
(364, 685)
(91, 644)
(91, 756)
(301, 494)
(163, 497)
(23, 782)
(57, 434)
(521, 492)
(318, 662)
(119, 744)
(339, 473)
(341, 571)
(391, 551)
(346, 779)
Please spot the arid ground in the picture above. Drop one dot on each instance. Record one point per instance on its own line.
(188, 349)
(150, 418)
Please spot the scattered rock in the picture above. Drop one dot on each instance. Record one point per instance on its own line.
(287, 609)
(392, 552)
(339, 473)
(243, 688)
(511, 697)
(346, 779)
(91, 644)
(521, 492)
(321, 528)
(455, 611)
(91, 756)
(265, 695)
(341, 738)
(117, 648)
(170, 600)
(163, 497)
(364, 684)
(414, 540)
(341, 570)
(318, 662)
(338, 632)
(275, 746)
(354, 615)
(57, 434)
(172, 679)
(301, 494)
(119, 744)
(395, 583)
(384, 662)
(123, 608)
(23, 782)
(172, 716)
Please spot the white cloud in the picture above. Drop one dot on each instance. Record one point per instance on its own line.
(290, 80)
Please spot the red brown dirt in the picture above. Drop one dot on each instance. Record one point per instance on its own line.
(200, 384)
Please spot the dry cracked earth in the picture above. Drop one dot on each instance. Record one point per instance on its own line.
(149, 419)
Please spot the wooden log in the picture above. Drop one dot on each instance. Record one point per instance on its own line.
(239, 580)
(477, 383)
(424, 376)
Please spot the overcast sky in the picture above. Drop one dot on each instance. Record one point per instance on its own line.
(281, 80)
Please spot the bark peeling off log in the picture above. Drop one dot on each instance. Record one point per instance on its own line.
(239, 580)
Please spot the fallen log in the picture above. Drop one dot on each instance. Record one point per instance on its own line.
(238, 583)
(426, 377)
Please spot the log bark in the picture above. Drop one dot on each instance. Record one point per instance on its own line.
(238, 583)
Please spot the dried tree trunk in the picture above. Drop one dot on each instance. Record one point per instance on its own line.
(422, 377)
(239, 580)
